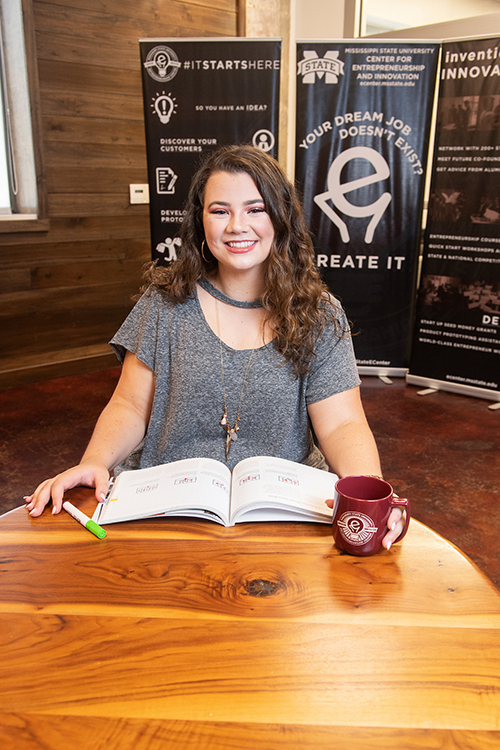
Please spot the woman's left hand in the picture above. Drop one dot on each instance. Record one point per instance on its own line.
(395, 524)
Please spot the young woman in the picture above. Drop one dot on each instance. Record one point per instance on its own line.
(237, 349)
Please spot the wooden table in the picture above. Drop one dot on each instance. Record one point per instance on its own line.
(184, 634)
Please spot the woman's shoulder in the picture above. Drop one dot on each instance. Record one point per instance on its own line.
(334, 311)
(155, 305)
(154, 316)
(155, 296)
(156, 292)
(329, 301)
(335, 327)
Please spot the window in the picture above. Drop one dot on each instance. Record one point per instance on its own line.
(23, 203)
(7, 174)
(379, 16)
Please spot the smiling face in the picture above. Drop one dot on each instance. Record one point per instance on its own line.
(238, 229)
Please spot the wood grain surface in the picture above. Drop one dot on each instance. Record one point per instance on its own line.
(184, 634)
(91, 146)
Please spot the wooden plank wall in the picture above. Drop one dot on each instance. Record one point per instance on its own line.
(65, 291)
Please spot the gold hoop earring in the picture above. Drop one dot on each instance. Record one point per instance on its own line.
(202, 255)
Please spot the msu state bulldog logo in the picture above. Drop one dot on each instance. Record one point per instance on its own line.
(356, 528)
(330, 66)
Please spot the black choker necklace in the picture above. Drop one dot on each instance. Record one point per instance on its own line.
(211, 289)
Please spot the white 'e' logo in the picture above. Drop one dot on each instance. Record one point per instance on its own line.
(337, 190)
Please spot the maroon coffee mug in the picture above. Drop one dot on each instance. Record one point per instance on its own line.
(360, 513)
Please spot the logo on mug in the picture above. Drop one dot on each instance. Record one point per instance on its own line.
(356, 528)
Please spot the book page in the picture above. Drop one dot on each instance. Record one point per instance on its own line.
(264, 482)
(197, 487)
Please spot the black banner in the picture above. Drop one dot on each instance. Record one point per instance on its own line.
(363, 121)
(457, 334)
(200, 94)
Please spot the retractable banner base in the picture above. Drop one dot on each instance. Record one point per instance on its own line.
(443, 385)
(383, 372)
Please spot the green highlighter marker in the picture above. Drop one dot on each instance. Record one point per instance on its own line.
(84, 520)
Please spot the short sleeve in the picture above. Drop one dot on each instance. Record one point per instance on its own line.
(139, 332)
(334, 368)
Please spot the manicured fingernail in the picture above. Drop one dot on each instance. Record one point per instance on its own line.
(103, 496)
(393, 526)
(389, 546)
(27, 498)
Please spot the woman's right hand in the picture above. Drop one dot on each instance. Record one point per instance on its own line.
(119, 430)
(85, 474)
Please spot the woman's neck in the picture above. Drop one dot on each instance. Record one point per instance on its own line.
(241, 287)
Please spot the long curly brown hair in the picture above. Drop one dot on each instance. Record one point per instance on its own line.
(297, 302)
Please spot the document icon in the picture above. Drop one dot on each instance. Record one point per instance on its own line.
(165, 180)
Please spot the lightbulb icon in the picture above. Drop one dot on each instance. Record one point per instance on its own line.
(164, 107)
(161, 60)
(162, 63)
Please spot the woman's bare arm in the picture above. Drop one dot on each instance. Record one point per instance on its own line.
(347, 442)
(119, 430)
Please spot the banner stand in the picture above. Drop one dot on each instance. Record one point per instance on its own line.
(456, 345)
(433, 385)
(361, 147)
(383, 372)
(199, 94)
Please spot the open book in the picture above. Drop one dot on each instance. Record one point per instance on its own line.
(259, 489)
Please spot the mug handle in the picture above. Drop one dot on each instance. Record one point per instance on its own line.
(403, 503)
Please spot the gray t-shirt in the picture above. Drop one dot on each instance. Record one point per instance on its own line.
(177, 344)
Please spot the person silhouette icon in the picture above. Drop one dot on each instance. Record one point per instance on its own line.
(263, 142)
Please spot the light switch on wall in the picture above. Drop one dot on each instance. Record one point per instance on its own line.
(139, 193)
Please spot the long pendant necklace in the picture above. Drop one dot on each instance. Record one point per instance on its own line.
(231, 432)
